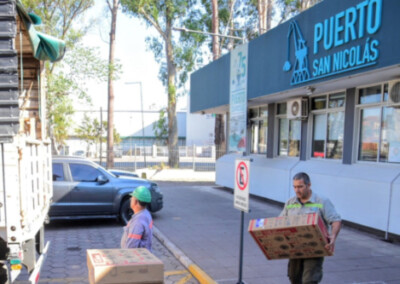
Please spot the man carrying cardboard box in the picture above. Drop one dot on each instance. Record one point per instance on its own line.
(138, 233)
(309, 270)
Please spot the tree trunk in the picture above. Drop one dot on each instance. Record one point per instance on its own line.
(262, 16)
(110, 126)
(173, 153)
(264, 8)
(270, 5)
(215, 30)
(305, 4)
(219, 129)
(219, 138)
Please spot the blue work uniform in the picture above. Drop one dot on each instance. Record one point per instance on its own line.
(309, 270)
(138, 233)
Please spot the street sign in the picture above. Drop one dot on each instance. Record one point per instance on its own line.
(242, 177)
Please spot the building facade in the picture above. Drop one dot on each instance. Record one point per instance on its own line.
(323, 96)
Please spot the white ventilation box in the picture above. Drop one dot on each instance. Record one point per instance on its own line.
(297, 108)
(394, 93)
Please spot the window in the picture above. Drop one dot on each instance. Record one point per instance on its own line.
(289, 133)
(84, 173)
(328, 126)
(259, 130)
(58, 172)
(379, 135)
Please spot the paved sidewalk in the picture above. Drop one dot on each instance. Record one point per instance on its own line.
(201, 221)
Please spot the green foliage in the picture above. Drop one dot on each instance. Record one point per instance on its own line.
(175, 52)
(64, 19)
(117, 137)
(59, 17)
(90, 131)
(61, 107)
(160, 127)
(290, 8)
(186, 47)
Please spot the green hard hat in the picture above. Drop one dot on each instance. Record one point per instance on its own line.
(142, 193)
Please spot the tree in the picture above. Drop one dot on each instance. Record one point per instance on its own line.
(177, 55)
(160, 127)
(264, 9)
(65, 83)
(92, 131)
(219, 128)
(290, 8)
(64, 78)
(110, 130)
(88, 131)
(220, 17)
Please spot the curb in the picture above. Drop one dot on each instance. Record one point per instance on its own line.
(196, 271)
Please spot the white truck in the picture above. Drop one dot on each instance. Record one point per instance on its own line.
(25, 153)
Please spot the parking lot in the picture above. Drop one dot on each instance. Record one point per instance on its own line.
(66, 260)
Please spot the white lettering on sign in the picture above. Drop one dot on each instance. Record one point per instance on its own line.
(351, 24)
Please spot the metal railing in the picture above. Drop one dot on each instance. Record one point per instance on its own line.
(198, 158)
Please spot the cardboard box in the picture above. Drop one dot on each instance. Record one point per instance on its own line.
(124, 266)
(299, 236)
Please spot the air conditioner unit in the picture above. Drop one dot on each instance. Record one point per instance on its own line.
(394, 93)
(297, 108)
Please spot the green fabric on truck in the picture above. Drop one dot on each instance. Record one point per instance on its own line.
(45, 47)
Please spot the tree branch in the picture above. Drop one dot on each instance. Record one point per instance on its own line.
(109, 5)
(153, 23)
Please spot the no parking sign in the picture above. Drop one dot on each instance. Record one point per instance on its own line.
(242, 178)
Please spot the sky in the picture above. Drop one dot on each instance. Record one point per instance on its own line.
(138, 65)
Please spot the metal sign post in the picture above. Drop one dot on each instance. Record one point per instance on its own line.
(241, 201)
(237, 133)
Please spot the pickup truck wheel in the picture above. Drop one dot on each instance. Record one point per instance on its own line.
(4, 274)
(126, 212)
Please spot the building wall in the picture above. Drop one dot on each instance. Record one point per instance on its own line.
(362, 193)
(362, 177)
(269, 53)
(199, 128)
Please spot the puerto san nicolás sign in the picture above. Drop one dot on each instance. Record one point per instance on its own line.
(346, 39)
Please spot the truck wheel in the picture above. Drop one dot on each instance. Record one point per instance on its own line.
(125, 212)
(4, 274)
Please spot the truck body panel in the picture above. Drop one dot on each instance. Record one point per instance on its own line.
(25, 149)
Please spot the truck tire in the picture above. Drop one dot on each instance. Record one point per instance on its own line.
(125, 212)
(3, 274)
(3, 260)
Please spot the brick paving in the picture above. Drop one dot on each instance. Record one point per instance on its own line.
(66, 260)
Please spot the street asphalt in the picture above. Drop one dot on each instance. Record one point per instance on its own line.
(197, 238)
(199, 219)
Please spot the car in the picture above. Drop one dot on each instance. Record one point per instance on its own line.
(117, 154)
(82, 188)
(80, 153)
(123, 173)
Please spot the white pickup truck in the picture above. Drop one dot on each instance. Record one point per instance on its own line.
(25, 153)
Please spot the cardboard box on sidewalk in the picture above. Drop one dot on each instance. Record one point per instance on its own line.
(299, 236)
(108, 266)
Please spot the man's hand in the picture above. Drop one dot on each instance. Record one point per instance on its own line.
(331, 245)
(332, 238)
